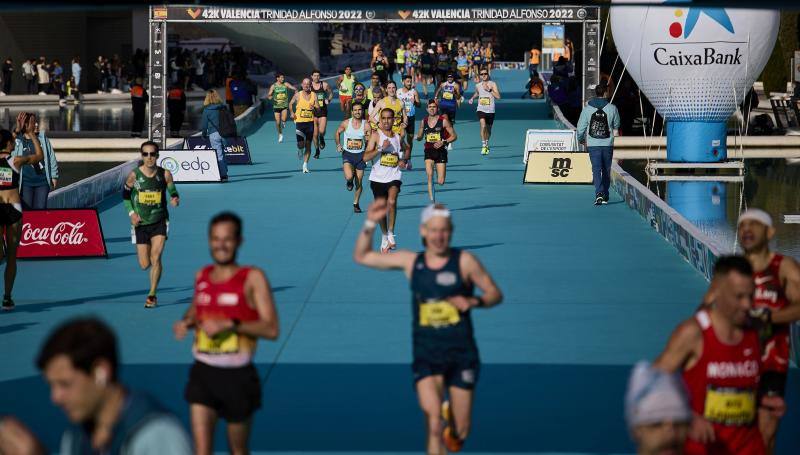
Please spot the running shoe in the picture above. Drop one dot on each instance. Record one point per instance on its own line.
(151, 301)
(356, 208)
(484, 150)
(384, 244)
(390, 239)
(350, 185)
(8, 304)
(305, 169)
(598, 199)
(280, 138)
(605, 199)
(316, 154)
(449, 146)
(321, 143)
(451, 441)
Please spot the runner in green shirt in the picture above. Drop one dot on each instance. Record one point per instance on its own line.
(279, 95)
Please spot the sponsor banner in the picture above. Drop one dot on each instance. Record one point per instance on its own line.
(549, 141)
(190, 165)
(156, 129)
(91, 191)
(509, 65)
(236, 150)
(558, 167)
(553, 39)
(61, 233)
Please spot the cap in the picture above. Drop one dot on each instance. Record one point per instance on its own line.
(756, 215)
(451, 75)
(433, 210)
(655, 396)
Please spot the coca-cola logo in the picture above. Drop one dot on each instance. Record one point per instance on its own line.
(63, 233)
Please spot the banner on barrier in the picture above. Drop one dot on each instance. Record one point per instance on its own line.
(236, 150)
(558, 167)
(549, 141)
(198, 165)
(62, 233)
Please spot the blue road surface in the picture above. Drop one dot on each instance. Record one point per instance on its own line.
(588, 292)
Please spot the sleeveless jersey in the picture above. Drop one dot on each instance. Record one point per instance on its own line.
(149, 197)
(448, 95)
(488, 55)
(280, 96)
(305, 108)
(461, 64)
(722, 388)
(353, 139)
(442, 62)
(770, 294)
(320, 95)
(386, 169)
(9, 175)
(485, 99)
(400, 56)
(371, 111)
(407, 97)
(346, 87)
(433, 134)
(397, 107)
(225, 300)
(477, 58)
(380, 67)
(439, 328)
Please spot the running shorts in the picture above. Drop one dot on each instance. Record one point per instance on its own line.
(10, 214)
(450, 112)
(487, 116)
(460, 371)
(145, 233)
(344, 100)
(234, 393)
(772, 383)
(381, 190)
(437, 155)
(304, 131)
(278, 110)
(354, 159)
(410, 128)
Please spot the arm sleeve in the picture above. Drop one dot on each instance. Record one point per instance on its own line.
(161, 435)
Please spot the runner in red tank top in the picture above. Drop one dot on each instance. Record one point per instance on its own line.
(231, 309)
(720, 360)
(776, 304)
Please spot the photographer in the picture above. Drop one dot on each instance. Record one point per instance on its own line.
(40, 178)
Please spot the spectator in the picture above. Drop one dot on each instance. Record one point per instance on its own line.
(597, 126)
(242, 93)
(657, 410)
(42, 76)
(557, 90)
(100, 71)
(562, 67)
(534, 88)
(72, 89)
(79, 362)
(139, 99)
(58, 73)
(29, 73)
(212, 110)
(76, 70)
(176, 106)
(8, 70)
(228, 93)
(37, 179)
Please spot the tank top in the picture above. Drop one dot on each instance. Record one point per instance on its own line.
(380, 67)
(224, 300)
(320, 95)
(770, 294)
(485, 99)
(371, 111)
(477, 58)
(397, 106)
(346, 87)
(9, 175)
(461, 63)
(149, 198)
(305, 108)
(280, 96)
(488, 55)
(722, 388)
(407, 97)
(353, 139)
(433, 134)
(401, 56)
(442, 62)
(386, 169)
(448, 94)
(439, 328)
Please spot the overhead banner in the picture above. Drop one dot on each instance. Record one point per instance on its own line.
(549, 141)
(190, 165)
(63, 233)
(558, 167)
(236, 150)
(156, 84)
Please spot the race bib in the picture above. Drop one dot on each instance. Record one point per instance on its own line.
(378, 67)
(280, 96)
(433, 137)
(306, 113)
(484, 101)
(6, 176)
(355, 144)
(222, 343)
(149, 197)
(447, 95)
(730, 406)
(408, 108)
(462, 67)
(438, 314)
(389, 160)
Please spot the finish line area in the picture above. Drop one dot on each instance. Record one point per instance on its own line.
(588, 292)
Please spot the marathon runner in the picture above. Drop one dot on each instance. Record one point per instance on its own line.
(443, 279)
(400, 59)
(776, 303)
(392, 102)
(437, 132)
(486, 91)
(462, 66)
(427, 68)
(232, 308)
(373, 115)
(279, 95)
(374, 82)
(442, 64)
(477, 60)
(303, 118)
(324, 95)
(145, 198)
(412, 61)
(380, 66)
(720, 358)
(10, 202)
(488, 57)
(345, 85)
(450, 99)
(356, 130)
(410, 98)
(385, 176)
(359, 97)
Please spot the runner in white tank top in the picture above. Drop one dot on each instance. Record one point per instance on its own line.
(486, 91)
(351, 140)
(410, 98)
(386, 174)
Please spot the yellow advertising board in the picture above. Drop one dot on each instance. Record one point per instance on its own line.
(558, 167)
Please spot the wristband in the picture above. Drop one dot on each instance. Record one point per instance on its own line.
(481, 302)
(131, 213)
(369, 224)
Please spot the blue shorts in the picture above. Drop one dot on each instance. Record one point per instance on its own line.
(354, 159)
(458, 371)
(449, 111)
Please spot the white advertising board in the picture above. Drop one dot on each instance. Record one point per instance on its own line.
(190, 165)
(549, 141)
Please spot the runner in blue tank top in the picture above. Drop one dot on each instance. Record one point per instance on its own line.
(446, 360)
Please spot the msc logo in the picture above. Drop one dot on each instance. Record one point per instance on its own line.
(716, 14)
(561, 167)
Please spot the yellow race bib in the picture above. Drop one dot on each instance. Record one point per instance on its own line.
(438, 314)
(730, 406)
(389, 160)
(355, 144)
(280, 96)
(484, 101)
(149, 197)
(306, 114)
(447, 95)
(222, 343)
(433, 137)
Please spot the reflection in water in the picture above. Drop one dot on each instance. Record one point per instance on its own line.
(769, 184)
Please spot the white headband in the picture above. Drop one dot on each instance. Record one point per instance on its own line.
(756, 215)
(432, 211)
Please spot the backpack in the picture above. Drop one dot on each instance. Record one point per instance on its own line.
(227, 124)
(598, 125)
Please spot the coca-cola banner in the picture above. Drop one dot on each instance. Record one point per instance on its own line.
(61, 234)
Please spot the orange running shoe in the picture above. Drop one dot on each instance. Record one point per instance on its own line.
(451, 441)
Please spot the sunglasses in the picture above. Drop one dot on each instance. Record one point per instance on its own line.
(484, 74)
(150, 154)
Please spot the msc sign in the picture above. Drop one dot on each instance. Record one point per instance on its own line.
(558, 167)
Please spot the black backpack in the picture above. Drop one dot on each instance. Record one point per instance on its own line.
(227, 124)
(598, 125)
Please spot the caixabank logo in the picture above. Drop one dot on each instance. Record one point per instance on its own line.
(721, 52)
